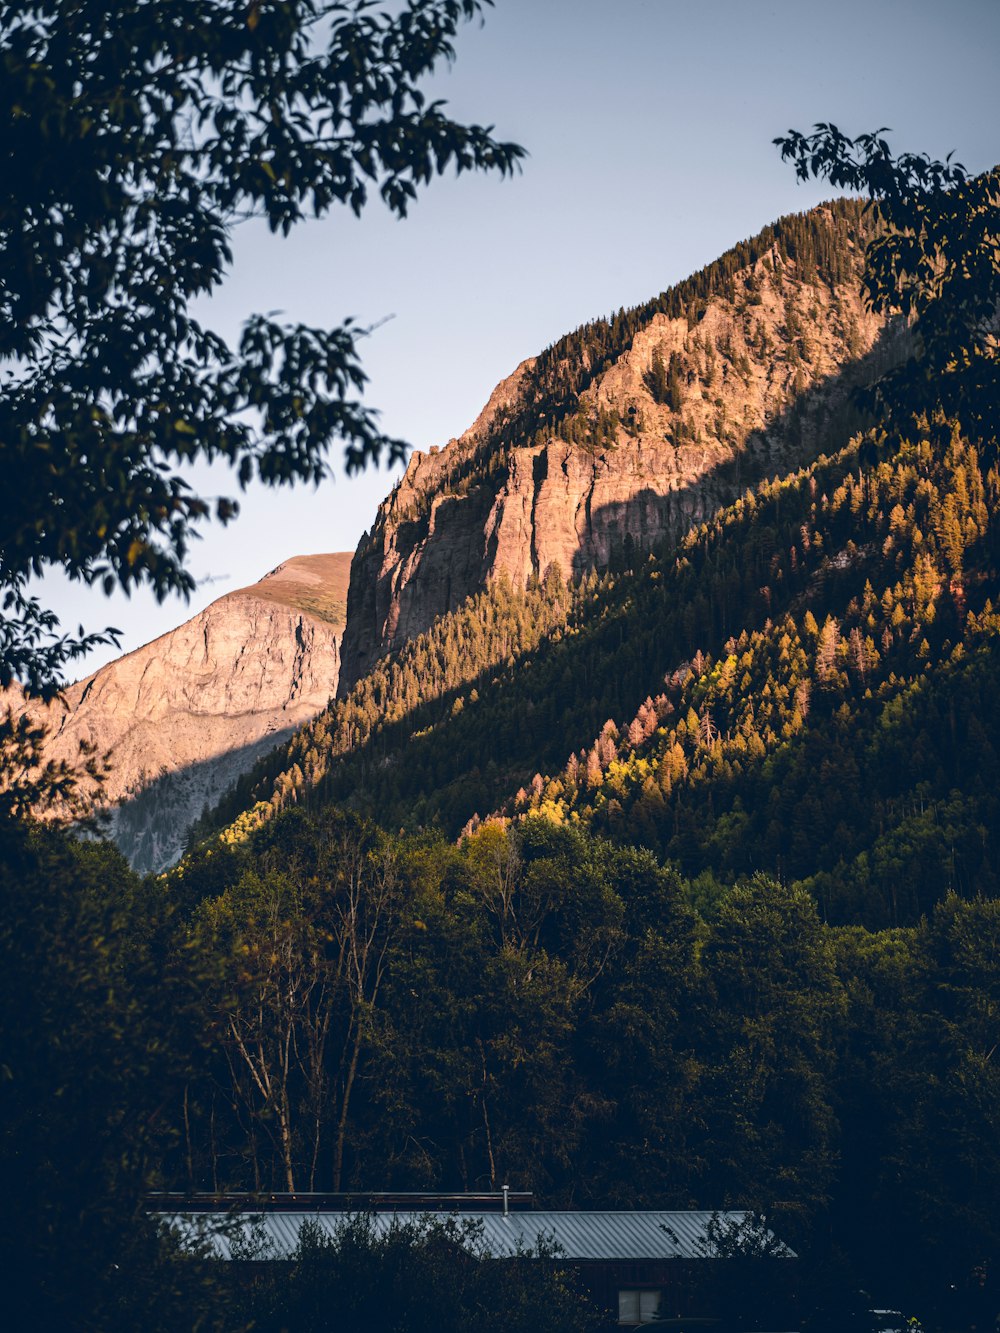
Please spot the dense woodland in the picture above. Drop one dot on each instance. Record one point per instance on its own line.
(324, 1004)
(741, 948)
(829, 634)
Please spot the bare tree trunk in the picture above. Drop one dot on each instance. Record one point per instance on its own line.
(188, 1152)
(365, 921)
(256, 1063)
(213, 1148)
(313, 1067)
(352, 1069)
(254, 1158)
(486, 1121)
(286, 1146)
(314, 1158)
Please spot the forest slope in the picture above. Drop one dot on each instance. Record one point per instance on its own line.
(749, 364)
(805, 686)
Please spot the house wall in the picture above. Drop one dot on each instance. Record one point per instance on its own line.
(700, 1288)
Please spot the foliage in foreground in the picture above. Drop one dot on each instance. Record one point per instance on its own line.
(136, 137)
(328, 1005)
(429, 1276)
(95, 1043)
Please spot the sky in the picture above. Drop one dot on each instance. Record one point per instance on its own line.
(648, 127)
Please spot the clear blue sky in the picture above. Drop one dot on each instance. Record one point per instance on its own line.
(649, 127)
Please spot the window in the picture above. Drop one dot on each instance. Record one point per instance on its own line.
(638, 1305)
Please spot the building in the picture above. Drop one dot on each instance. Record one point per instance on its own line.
(638, 1265)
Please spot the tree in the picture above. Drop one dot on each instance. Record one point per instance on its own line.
(135, 137)
(548, 920)
(93, 1015)
(430, 1274)
(30, 783)
(274, 1028)
(745, 1271)
(771, 1127)
(640, 1053)
(935, 258)
(656, 379)
(306, 934)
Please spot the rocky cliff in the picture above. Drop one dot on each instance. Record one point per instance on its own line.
(182, 717)
(627, 431)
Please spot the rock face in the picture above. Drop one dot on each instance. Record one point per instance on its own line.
(182, 717)
(685, 416)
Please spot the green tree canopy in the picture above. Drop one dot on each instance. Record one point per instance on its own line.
(135, 136)
(935, 258)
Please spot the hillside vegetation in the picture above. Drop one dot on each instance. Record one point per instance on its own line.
(701, 855)
(805, 262)
(726, 703)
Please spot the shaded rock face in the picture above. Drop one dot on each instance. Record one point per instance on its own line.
(181, 718)
(759, 382)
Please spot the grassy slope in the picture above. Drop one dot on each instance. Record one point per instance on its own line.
(314, 584)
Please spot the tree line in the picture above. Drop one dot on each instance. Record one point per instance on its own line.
(326, 1006)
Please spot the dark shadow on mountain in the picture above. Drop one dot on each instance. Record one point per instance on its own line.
(150, 828)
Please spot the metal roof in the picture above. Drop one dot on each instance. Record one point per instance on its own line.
(578, 1235)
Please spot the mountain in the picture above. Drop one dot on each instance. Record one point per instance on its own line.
(628, 431)
(612, 441)
(182, 717)
(806, 685)
(723, 698)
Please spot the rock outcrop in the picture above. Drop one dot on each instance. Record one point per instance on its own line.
(182, 717)
(690, 411)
